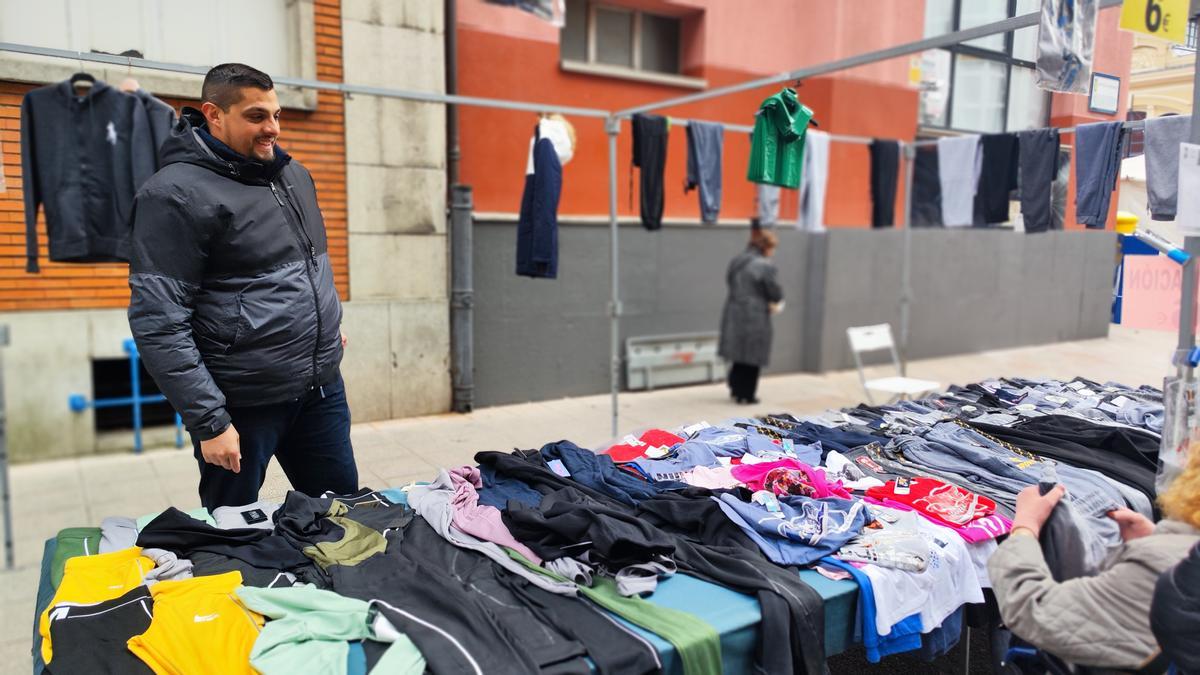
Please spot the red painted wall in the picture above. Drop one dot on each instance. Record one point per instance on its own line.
(495, 143)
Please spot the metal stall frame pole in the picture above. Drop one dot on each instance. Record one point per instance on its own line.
(910, 158)
(5, 494)
(612, 127)
(1187, 289)
(1187, 306)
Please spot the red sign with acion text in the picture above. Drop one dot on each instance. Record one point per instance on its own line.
(1150, 296)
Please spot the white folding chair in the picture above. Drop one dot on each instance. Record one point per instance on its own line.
(868, 339)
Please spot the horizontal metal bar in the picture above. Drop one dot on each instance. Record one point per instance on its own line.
(1131, 125)
(430, 97)
(945, 40)
(837, 138)
(856, 140)
(126, 400)
(679, 121)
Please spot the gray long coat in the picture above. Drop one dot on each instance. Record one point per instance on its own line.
(746, 319)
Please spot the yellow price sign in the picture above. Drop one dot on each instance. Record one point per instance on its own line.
(1165, 19)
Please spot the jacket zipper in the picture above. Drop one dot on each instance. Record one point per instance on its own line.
(303, 238)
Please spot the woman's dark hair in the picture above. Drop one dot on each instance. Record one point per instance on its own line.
(762, 239)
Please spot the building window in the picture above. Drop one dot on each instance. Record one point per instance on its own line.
(985, 85)
(618, 37)
(1191, 36)
(110, 379)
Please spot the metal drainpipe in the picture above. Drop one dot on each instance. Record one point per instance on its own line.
(462, 299)
(462, 294)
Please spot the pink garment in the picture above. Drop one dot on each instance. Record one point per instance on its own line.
(980, 529)
(713, 478)
(753, 474)
(480, 520)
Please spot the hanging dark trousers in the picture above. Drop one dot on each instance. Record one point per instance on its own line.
(885, 169)
(650, 155)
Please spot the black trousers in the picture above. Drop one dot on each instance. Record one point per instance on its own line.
(310, 437)
(1038, 152)
(650, 155)
(743, 380)
(885, 169)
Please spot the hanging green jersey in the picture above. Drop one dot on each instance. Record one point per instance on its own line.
(777, 147)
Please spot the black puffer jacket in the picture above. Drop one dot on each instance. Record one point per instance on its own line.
(233, 301)
(1175, 614)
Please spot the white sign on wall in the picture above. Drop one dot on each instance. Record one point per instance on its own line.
(1106, 94)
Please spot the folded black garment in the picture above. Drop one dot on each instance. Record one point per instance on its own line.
(336, 531)
(567, 524)
(694, 514)
(1136, 445)
(177, 532)
(206, 564)
(1111, 451)
(306, 521)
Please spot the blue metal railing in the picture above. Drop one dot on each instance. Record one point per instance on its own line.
(80, 403)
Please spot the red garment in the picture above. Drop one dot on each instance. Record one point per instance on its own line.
(627, 452)
(945, 503)
(980, 529)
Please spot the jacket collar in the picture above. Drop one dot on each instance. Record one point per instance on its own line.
(206, 150)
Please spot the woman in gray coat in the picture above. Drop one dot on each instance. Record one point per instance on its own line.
(754, 294)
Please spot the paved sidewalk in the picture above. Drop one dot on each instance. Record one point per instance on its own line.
(79, 492)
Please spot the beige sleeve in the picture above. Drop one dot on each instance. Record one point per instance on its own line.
(1099, 621)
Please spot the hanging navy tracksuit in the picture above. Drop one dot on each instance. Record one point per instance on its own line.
(537, 231)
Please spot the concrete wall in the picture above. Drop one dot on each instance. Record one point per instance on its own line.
(397, 322)
(973, 290)
(48, 359)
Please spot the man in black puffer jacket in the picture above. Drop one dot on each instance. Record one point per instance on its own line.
(233, 305)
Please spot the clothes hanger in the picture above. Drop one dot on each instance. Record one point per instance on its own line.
(129, 84)
(812, 122)
(82, 80)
